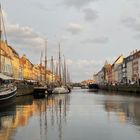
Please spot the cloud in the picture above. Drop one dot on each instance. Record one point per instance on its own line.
(64, 38)
(38, 5)
(69, 62)
(24, 35)
(77, 3)
(137, 37)
(24, 39)
(99, 40)
(74, 28)
(83, 68)
(132, 22)
(90, 14)
(84, 63)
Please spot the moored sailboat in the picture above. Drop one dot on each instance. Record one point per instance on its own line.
(62, 88)
(40, 90)
(7, 88)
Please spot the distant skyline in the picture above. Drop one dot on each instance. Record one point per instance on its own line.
(89, 31)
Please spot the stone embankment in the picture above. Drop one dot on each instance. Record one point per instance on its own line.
(121, 88)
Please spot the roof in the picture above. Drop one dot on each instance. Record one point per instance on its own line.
(117, 60)
(5, 77)
(13, 50)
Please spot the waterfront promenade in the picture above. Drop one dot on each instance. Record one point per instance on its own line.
(128, 89)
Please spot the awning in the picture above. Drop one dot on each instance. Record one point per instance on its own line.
(5, 77)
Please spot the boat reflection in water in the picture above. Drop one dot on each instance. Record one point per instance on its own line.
(54, 115)
(7, 121)
(72, 116)
(46, 113)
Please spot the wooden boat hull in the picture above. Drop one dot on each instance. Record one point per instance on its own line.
(93, 87)
(8, 98)
(49, 91)
(40, 92)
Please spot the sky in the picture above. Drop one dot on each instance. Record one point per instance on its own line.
(88, 31)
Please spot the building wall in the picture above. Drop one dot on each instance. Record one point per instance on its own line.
(27, 68)
(36, 73)
(139, 67)
(96, 78)
(6, 66)
(6, 59)
(115, 70)
(135, 67)
(116, 76)
(113, 75)
(120, 73)
(108, 73)
(129, 71)
(100, 76)
(16, 67)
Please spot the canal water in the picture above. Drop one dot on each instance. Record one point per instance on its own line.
(81, 115)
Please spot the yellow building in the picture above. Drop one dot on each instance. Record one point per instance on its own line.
(27, 68)
(36, 73)
(6, 56)
(17, 71)
(39, 74)
(115, 72)
(22, 68)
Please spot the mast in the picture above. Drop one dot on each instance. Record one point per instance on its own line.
(56, 71)
(59, 64)
(52, 67)
(45, 60)
(0, 36)
(41, 66)
(65, 76)
(3, 30)
(68, 77)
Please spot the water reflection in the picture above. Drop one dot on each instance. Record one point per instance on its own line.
(125, 107)
(7, 121)
(78, 115)
(19, 114)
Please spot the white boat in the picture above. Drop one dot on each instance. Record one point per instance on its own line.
(63, 88)
(60, 90)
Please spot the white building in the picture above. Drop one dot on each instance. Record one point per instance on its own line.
(135, 66)
(139, 66)
(99, 77)
(129, 73)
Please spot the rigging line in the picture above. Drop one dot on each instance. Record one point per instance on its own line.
(2, 18)
(0, 37)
